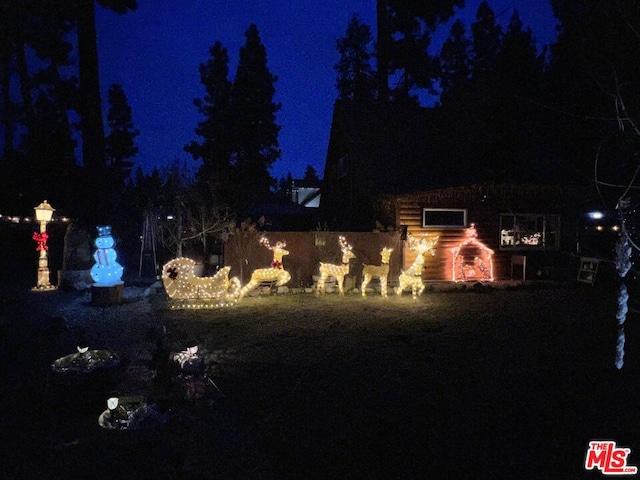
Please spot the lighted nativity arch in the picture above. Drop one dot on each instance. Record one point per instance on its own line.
(471, 259)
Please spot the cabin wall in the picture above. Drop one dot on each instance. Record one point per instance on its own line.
(484, 207)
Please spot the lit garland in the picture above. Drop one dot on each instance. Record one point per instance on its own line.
(276, 273)
(377, 271)
(412, 277)
(181, 284)
(482, 267)
(338, 271)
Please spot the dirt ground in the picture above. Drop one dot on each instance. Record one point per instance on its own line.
(484, 383)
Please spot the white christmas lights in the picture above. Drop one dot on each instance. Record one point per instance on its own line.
(276, 273)
(338, 271)
(377, 271)
(182, 284)
(412, 277)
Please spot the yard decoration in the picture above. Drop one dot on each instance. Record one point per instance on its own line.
(412, 277)
(471, 259)
(377, 271)
(276, 273)
(106, 271)
(623, 265)
(181, 283)
(338, 271)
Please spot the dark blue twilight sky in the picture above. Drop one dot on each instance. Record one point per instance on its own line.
(155, 51)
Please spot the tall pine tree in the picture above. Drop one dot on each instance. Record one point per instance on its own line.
(256, 146)
(405, 32)
(355, 75)
(120, 144)
(215, 130)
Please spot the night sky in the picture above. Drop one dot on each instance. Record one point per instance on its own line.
(155, 51)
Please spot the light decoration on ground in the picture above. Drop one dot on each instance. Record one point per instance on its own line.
(124, 413)
(86, 361)
(471, 259)
(377, 271)
(189, 359)
(276, 273)
(181, 283)
(412, 277)
(337, 271)
(106, 271)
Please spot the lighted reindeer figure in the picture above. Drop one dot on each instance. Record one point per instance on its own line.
(274, 274)
(412, 277)
(377, 271)
(337, 271)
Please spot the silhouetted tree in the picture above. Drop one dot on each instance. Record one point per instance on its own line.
(92, 125)
(355, 79)
(405, 30)
(256, 145)
(594, 96)
(215, 131)
(486, 42)
(310, 175)
(120, 142)
(454, 61)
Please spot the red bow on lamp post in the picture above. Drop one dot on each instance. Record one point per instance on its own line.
(41, 240)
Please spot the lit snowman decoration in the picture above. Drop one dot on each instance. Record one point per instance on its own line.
(106, 271)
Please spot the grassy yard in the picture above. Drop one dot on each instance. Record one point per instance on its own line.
(491, 384)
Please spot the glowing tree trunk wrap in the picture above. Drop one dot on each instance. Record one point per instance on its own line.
(623, 265)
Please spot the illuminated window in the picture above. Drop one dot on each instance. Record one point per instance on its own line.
(444, 218)
(529, 231)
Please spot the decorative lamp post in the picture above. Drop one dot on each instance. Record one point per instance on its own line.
(44, 212)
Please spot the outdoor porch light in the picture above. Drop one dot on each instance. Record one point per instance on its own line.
(44, 213)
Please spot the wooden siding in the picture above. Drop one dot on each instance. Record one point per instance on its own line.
(484, 204)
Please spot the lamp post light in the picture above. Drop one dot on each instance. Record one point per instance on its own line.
(44, 212)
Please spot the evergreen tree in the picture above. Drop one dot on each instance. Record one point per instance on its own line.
(487, 38)
(405, 31)
(594, 77)
(455, 70)
(355, 75)
(38, 145)
(516, 93)
(93, 152)
(256, 145)
(120, 143)
(215, 131)
(310, 175)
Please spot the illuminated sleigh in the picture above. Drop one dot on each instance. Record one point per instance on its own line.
(181, 283)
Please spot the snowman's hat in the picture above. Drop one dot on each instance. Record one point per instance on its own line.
(104, 230)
